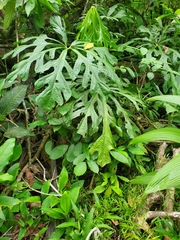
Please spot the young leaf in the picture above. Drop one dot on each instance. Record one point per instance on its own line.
(12, 99)
(65, 203)
(104, 144)
(63, 178)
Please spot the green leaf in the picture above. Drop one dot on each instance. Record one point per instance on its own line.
(17, 152)
(80, 169)
(58, 152)
(139, 149)
(104, 143)
(30, 5)
(48, 5)
(23, 209)
(18, 132)
(9, 202)
(93, 166)
(68, 224)
(144, 179)
(65, 203)
(166, 134)
(53, 212)
(9, 11)
(56, 23)
(37, 124)
(48, 147)
(166, 177)
(150, 75)
(93, 30)
(6, 152)
(70, 153)
(6, 177)
(14, 170)
(12, 99)
(166, 98)
(121, 157)
(88, 224)
(99, 189)
(74, 194)
(79, 159)
(117, 190)
(36, 199)
(143, 50)
(63, 179)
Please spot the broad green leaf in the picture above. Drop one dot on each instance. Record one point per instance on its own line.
(117, 190)
(52, 212)
(166, 177)
(48, 147)
(58, 152)
(70, 153)
(93, 166)
(143, 50)
(80, 169)
(144, 179)
(23, 209)
(150, 75)
(74, 194)
(104, 144)
(9, 11)
(14, 170)
(166, 134)
(6, 152)
(99, 189)
(65, 203)
(166, 98)
(121, 157)
(9, 202)
(77, 149)
(79, 159)
(30, 5)
(18, 132)
(17, 152)
(6, 177)
(12, 99)
(63, 179)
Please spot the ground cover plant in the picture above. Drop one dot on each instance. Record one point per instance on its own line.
(89, 119)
